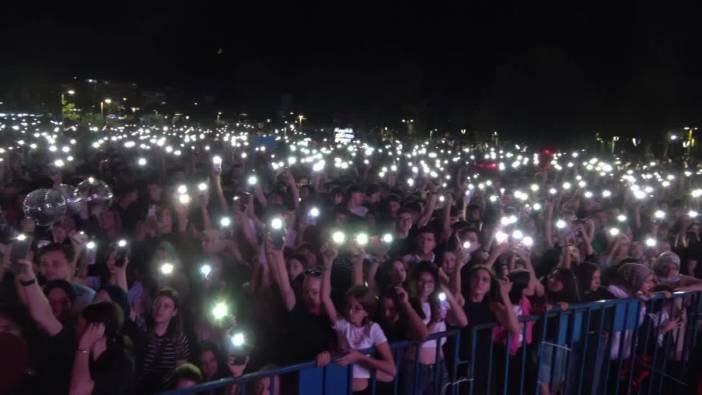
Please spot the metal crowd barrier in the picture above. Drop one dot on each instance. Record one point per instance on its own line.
(605, 347)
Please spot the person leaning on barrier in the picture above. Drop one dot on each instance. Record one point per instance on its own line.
(667, 271)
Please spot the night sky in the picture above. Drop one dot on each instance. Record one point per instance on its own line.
(524, 69)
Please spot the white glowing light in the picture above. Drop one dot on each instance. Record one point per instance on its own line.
(205, 270)
(500, 237)
(184, 199)
(362, 239)
(238, 339)
(561, 224)
(314, 212)
(528, 241)
(387, 238)
(338, 237)
(225, 222)
(277, 223)
(220, 310)
(167, 268)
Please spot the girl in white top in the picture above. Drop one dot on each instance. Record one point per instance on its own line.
(355, 331)
(437, 305)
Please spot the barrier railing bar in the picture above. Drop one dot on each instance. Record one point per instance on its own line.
(668, 368)
(654, 343)
(584, 356)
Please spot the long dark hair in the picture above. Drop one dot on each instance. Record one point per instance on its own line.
(426, 267)
(365, 297)
(111, 316)
(520, 281)
(584, 273)
(570, 293)
(493, 295)
(208, 345)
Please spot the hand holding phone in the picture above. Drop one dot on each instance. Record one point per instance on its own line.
(19, 251)
(121, 250)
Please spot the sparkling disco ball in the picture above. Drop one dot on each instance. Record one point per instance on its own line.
(44, 206)
(94, 191)
(69, 193)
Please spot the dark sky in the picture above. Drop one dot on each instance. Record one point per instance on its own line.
(524, 69)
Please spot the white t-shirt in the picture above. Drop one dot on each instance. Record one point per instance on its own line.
(440, 326)
(356, 338)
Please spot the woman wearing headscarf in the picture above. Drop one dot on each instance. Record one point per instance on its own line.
(667, 271)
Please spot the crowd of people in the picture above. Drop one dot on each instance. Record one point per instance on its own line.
(201, 267)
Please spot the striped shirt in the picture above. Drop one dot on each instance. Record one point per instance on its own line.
(159, 357)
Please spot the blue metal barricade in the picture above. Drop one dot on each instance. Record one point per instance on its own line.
(624, 346)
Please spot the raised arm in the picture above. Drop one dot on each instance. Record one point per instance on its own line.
(357, 256)
(81, 381)
(446, 219)
(534, 282)
(295, 192)
(182, 217)
(204, 212)
(260, 196)
(504, 312)
(280, 275)
(548, 223)
(35, 300)
(328, 256)
(497, 251)
(456, 316)
(425, 217)
(416, 330)
(218, 191)
(118, 275)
